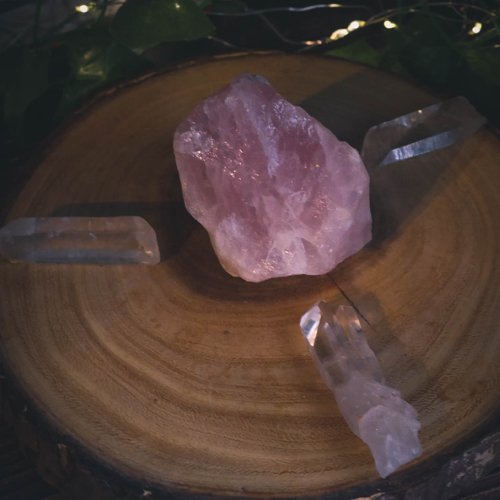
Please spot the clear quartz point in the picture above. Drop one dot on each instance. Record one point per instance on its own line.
(422, 131)
(375, 412)
(93, 240)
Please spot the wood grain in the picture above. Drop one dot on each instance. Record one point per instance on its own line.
(185, 378)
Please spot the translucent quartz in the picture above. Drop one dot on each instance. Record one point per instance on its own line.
(99, 240)
(375, 412)
(278, 193)
(422, 131)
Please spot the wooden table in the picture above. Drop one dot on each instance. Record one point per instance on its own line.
(179, 379)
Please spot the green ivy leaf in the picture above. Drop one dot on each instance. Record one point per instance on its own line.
(484, 62)
(142, 24)
(435, 65)
(23, 78)
(424, 49)
(359, 51)
(481, 82)
(96, 61)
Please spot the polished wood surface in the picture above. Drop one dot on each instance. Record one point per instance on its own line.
(185, 378)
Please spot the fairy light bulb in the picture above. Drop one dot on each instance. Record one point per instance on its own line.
(82, 9)
(354, 25)
(476, 28)
(388, 24)
(337, 34)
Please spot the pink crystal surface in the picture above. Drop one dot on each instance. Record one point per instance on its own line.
(278, 193)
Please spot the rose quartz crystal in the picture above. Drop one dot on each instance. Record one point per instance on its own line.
(278, 193)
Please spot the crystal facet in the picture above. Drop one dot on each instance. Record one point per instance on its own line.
(278, 193)
(99, 240)
(374, 411)
(422, 131)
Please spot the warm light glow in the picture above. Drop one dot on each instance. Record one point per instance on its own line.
(389, 24)
(354, 25)
(177, 6)
(334, 5)
(313, 42)
(82, 9)
(476, 28)
(337, 34)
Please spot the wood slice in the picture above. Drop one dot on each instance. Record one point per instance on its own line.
(182, 377)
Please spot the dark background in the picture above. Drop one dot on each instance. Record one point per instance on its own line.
(53, 60)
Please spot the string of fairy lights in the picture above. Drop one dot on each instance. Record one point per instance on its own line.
(474, 19)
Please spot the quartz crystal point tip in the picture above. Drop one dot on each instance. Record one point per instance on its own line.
(91, 240)
(419, 132)
(374, 411)
(278, 193)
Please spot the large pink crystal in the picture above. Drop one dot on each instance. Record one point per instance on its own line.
(278, 193)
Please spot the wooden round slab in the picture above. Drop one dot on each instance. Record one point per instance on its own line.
(184, 378)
